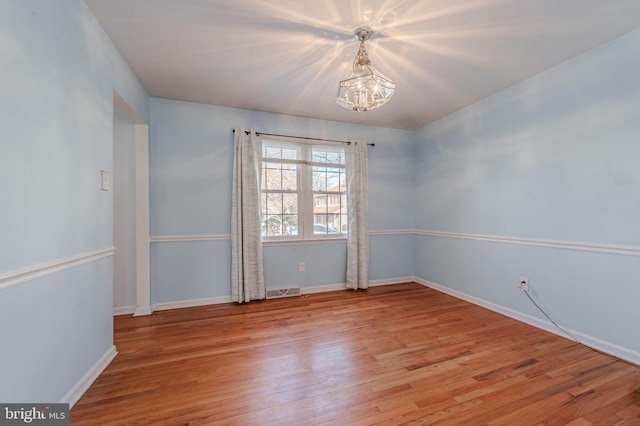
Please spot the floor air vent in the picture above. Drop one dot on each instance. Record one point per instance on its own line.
(278, 293)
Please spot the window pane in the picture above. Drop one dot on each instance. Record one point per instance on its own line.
(276, 225)
(272, 226)
(344, 223)
(324, 224)
(271, 152)
(274, 203)
(272, 176)
(319, 179)
(335, 178)
(330, 155)
(333, 224)
(319, 203)
(290, 224)
(279, 150)
(290, 203)
(280, 214)
(290, 177)
(290, 153)
(335, 157)
(319, 156)
(329, 179)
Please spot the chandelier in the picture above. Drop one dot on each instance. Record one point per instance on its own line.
(365, 88)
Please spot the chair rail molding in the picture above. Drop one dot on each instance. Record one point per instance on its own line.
(622, 250)
(391, 232)
(187, 238)
(47, 268)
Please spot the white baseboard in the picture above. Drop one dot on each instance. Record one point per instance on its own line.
(124, 310)
(391, 281)
(142, 310)
(341, 286)
(163, 306)
(90, 376)
(592, 342)
(136, 311)
(322, 288)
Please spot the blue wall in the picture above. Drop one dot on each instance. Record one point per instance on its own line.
(59, 71)
(555, 158)
(191, 162)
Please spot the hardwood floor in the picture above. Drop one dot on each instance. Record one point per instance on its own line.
(401, 354)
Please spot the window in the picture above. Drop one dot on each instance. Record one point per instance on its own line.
(303, 190)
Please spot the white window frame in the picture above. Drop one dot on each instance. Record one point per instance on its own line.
(305, 187)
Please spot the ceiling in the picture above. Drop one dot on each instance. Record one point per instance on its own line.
(288, 56)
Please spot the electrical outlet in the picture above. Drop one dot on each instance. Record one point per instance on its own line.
(301, 266)
(524, 284)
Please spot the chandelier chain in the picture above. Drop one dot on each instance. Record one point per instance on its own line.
(362, 58)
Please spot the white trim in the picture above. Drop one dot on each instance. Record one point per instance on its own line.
(163, 306)
(342, 286)
(187, 238)
(323, 288)
(392, 232)
(141, 171)
(124, 310)
(274, 160)
(142, 310)
(89, 377)
(42, 269)
(143, 249)
(565, 245)
(329, 240)
(391, 281)
(224, 237)
(609, 348)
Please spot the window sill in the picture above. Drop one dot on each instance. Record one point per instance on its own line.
(314, 241)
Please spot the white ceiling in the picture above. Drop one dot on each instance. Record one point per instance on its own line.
(287, 56)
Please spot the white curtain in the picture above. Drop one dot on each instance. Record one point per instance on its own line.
(358, 206)
(247, 278)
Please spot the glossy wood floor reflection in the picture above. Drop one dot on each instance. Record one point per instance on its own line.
(401, 354)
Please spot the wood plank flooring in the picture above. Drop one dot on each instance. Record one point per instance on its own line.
(401, 354)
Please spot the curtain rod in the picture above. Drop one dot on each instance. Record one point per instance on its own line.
(302, 137)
